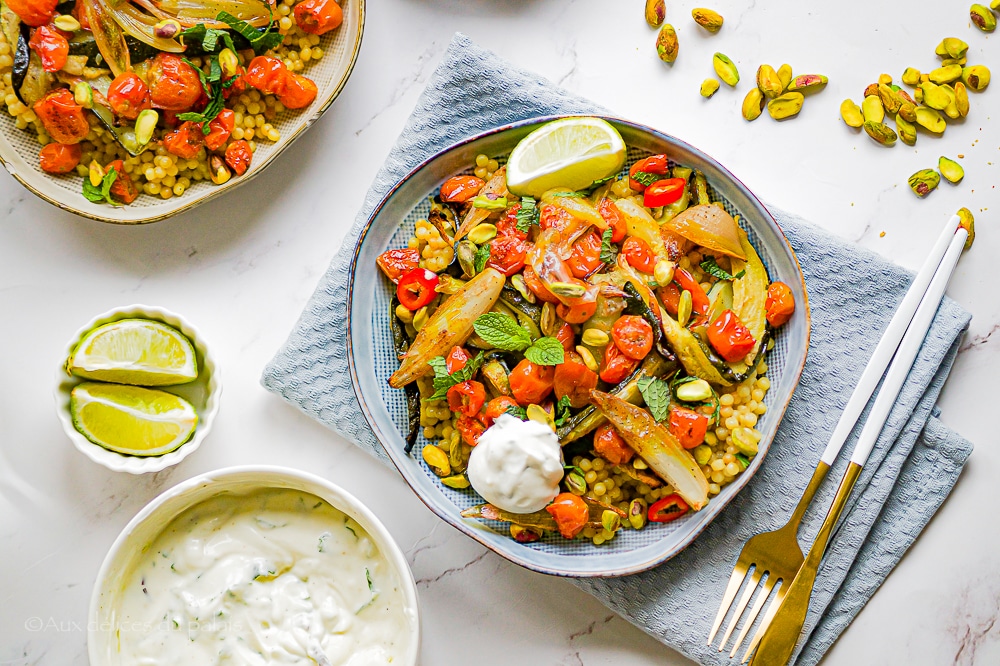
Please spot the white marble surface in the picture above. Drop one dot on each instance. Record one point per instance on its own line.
(242, 267)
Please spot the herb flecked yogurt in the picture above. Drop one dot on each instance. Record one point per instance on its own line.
(267, 577)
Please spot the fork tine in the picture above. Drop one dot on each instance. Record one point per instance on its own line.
(741, 606)
(766, 622)
(754, 612)
(739, 574)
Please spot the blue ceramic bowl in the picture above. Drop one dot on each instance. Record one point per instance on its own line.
(372, 360)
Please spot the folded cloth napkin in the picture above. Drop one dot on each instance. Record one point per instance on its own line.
(852, 295)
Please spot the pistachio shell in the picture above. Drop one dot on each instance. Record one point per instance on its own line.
(934, 96)
(785, 74)
(983, 18)
(656, 11)
(872, 109)
(930, 120)
(976, 77)
(890, 101)
(951, 47)
(907, 131)
(945, 74)
(709, 87)
(924, 181)
(786, 105)
(725, 68)
(911, 76)
(666, 43)
(962, 98)
(768, 81)
(880, 132)
(753, 104)
(851, 113)
(708, 19)
(807, 83)
(950, 169)
(967, 222)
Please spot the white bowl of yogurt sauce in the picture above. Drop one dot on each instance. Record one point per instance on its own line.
(254, 565)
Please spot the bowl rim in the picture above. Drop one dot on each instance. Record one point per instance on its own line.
(215, 192)
(718, 504)
(275, 476)
(119, 462)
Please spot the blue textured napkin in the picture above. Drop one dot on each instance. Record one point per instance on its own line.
(852, 294)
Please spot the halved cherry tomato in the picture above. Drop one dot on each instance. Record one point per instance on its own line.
(699, 299)
(688, 426)
(730, 337)
(467, 398)
(571, 514)
(654, 164)
(185, 141)
(586, 256)
(459, 189)
(267, 74)
(80, 14)
(538, 287)
(553, 217)
(33, 12)
(238, 156)
(671, 297)
(51, 47)
(395, 263)
(668, 508)
(638, 254)
(238, 86)
(574, 379)
(498, 406)
(456, 359)
(58, 158)
(128, 95)
(531, 383)
(416, 288)
(610, 445)
(663, 192)
(470, 429)
(780, 304)
(566, 336)
(507, 225)
(64, 119)
(219, 129)
(173, 84)
(123, 189)
(299, 91)
(633, 336)
(507, 254)
(617, 366)
(578, 312)
(609, 211)
(318, 17)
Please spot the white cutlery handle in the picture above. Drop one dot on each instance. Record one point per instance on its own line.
(907, 352)
(887, 345)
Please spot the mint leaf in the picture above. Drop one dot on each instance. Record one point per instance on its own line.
(527, 214)
(562, 411)
(645, 177)
(261, 41)
(101, 194)
(656, 393)
(502, 332)
(517, 412)
(713, 269)
(440, 366)
(443, 381)
(481, 257)
(545, 351)
(609, 251)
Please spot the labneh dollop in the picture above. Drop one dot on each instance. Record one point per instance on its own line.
(517, 465)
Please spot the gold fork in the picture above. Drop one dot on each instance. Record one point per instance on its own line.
(777, 553)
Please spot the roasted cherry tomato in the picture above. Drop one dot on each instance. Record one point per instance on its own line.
(617, 366)
(267, 74)
(671, 297)
(578, 312)
(470, 429)
(58, 158)
(219, 129)
(730, 337)
(609, 211)
(538, 287)
(33, 12)
(656, 165)
(586, 256)
(467, 398)
(633, 336)
(456, 359)
(553, 217)
(571, 514)
(299, 91)
(780, 304)
(128, 95)
(638, 254)
(80, 14)
(688, 426)
(609, 445)
(238, 156)
(64, 119)
(507, 225)
(317, 17)
(574, 379)
(173, 84)
(416, 288)
(666, 509)
(699, 299)
(531, 383)
(459, 189)
(507, 254)
(395, 263)
(566, 337)
(185, 141)
(237, 87)
(123, 189)
(51, 47)
(498, 406)
(664, 192)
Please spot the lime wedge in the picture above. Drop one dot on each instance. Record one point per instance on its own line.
(132, 420)
(572, 153)
(135, 351)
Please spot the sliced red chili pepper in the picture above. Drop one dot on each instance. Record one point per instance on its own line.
(467, 398)
(664, 192)
(416, 288)
(667, 509)
(688, 426)
(730, 337)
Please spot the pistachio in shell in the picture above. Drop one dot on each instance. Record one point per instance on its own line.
(753, 104)
(934, 96)
(962, 98)
(666, 43)
(656, 12)
(911, 76)
(880, 132)
(785, 75)
(709, 87)
(951, 47)
(945, 74)
(907, 130)
(931, 120)
(890, 101)
(805, 83)
(976, 77)
(769, 82)
(950, 169)
(786, 106)
(967, 222)
(708, 19)
(924, 181)
(983, 18)
(872, 109)
(726, 69)
(851, 113)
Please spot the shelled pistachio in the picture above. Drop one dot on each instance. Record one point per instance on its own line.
(924, 182)
(907, 131)
(950, 169)
(785, 76)
(967, 222)
(851, 113)
(769, 82)
(726, 69)
(708, 19)
(753, 104)
(656, 12)
(785, 106)
(983, 18)
(666, 43)
(880, 132)
(709, 87)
